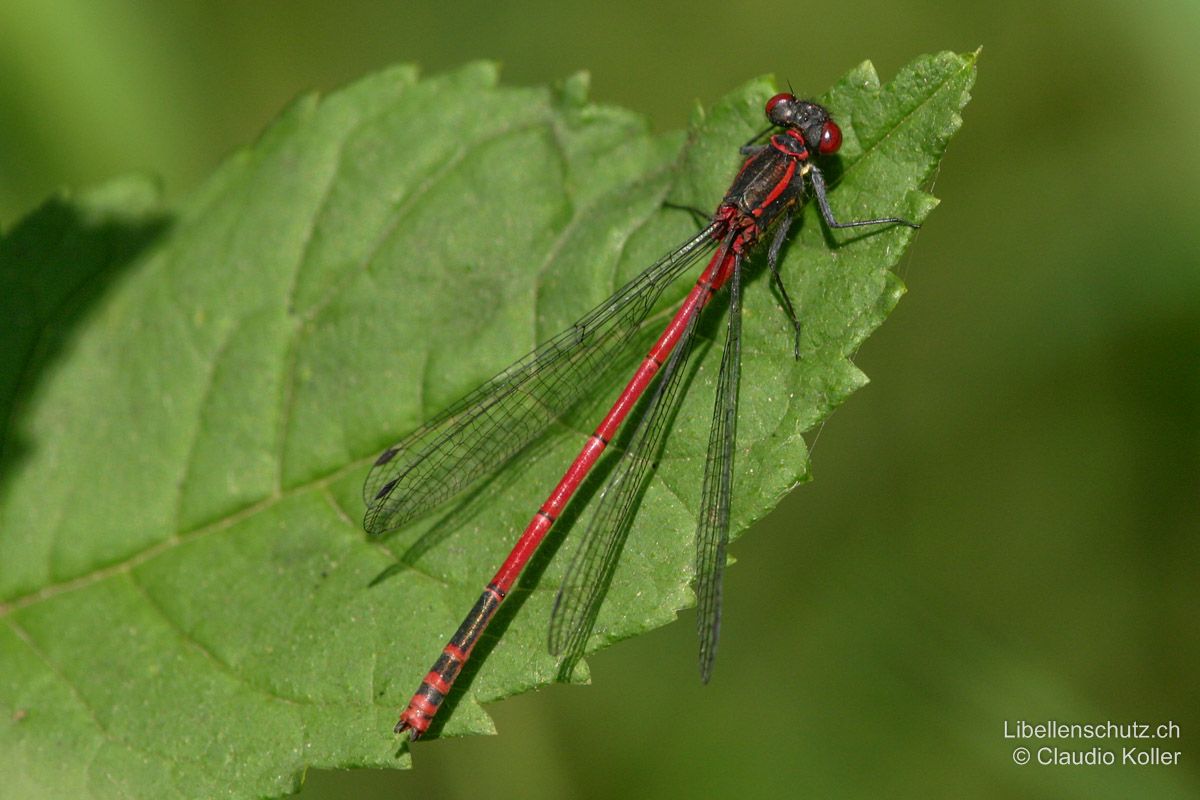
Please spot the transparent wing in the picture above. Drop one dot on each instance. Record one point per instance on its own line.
(481, 432)
(591, 568)
(712, 527)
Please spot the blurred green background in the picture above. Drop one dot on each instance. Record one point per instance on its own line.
(1002, 526)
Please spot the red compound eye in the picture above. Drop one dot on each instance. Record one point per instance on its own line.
(831, 138)
(782, 97)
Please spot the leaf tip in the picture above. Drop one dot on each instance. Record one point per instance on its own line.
(488, 71)
(864, 77)
(573, 92)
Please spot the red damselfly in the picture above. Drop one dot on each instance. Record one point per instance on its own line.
(492, 424)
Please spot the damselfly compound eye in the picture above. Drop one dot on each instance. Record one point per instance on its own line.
(831, 138)
(782, 97)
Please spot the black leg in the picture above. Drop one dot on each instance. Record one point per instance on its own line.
(773, 262)
(818, 185)
(749, 145)
(702, 217)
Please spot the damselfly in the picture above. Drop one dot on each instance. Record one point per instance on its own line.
(489, 426)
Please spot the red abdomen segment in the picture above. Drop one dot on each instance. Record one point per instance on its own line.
(436, 685)
(421, 709)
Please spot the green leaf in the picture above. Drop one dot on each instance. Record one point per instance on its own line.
(192, 399)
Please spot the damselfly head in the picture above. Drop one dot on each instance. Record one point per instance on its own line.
(820, 132)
